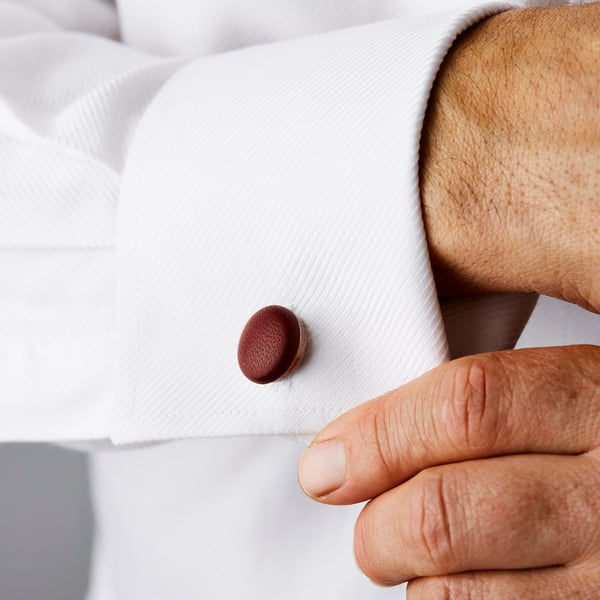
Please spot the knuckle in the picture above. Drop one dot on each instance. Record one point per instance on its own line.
(473, 394)
(384, 433)
(432, 524)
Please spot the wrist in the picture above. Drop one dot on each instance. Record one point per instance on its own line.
(463, 184)
(507, 154)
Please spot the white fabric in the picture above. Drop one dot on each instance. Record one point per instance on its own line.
(282, 173)
(154, 192)
(163, 533)
(280, 168)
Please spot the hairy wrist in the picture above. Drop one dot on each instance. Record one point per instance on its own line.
(510, 148)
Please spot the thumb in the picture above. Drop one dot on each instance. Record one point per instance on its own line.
(474, 407)
(371, 448)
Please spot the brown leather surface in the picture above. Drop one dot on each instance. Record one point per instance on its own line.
(270, 344)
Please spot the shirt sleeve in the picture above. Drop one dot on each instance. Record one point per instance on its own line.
(148, 207)
(71, 99)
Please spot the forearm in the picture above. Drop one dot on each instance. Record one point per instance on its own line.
(510, 155)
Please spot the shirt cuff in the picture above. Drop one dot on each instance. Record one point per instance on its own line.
(281, 174)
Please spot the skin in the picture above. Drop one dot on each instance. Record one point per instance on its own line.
(510, 158)
(483, 475)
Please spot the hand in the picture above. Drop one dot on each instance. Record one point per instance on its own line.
(510, 157)
(485, 475)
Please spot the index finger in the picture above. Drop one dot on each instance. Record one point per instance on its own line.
(544, 400)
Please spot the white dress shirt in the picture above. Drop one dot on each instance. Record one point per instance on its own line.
(168, 168)
(157, 191)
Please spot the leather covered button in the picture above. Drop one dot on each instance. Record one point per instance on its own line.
(272, 344)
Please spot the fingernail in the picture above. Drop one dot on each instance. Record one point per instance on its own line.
(322, 468)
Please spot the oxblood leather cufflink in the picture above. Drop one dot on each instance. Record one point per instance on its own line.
(272, 344)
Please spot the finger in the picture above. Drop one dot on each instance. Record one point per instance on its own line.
(514, 512)
(537, 584)
(536, 400)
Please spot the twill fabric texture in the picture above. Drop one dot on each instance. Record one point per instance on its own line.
(169, 168)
